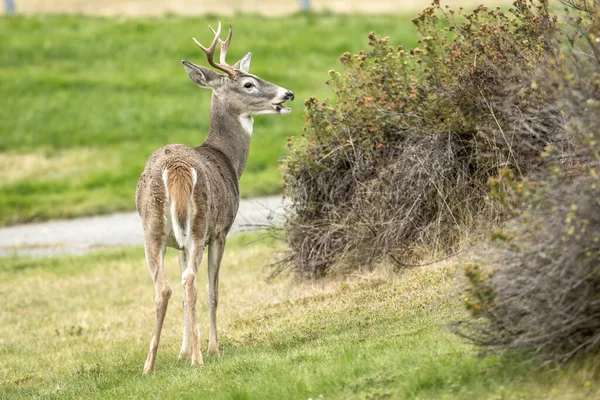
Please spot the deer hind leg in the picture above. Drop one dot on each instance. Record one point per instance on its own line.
(216, 248)
(155, 253)
(185, 352)
(195, 251)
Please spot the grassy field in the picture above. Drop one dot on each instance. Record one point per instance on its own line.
(79, 328)
(85, 100)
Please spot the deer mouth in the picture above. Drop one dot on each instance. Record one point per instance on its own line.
(281, 109)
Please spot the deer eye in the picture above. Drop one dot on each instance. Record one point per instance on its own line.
(248, 85)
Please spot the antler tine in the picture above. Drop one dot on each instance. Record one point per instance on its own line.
(210, 52)
(218, 32)
(225, 46)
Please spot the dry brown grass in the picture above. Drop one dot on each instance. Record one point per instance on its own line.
(78, 327)
(49, 309)
(65, 300)
(227, 7)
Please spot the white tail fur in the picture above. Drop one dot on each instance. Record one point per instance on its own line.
(180, 223)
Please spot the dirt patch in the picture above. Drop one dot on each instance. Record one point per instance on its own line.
(227, 7)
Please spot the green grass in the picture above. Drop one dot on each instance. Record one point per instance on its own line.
(84, 101)
(79, 327)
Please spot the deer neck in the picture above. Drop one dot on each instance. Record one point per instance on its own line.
(230, 134)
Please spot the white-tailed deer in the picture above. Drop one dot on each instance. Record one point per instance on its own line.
(188, 197)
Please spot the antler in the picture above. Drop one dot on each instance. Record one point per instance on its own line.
(210, 52)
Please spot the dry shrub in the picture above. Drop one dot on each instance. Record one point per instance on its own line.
(542, 293)
(401, 160)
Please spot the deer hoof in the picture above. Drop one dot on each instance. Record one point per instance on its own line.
(213, 351)
(148, 369)
(197, 361)
(184, 355)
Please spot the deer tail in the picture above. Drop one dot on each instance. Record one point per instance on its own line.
(179, 183)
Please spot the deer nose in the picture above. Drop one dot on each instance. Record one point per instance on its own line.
(289, 95)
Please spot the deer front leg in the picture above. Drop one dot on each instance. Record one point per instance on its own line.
(216, 248)
(189, 281)
(155, 252)
(185, 352)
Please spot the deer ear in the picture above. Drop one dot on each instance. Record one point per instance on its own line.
(244, 64)
(202, 76)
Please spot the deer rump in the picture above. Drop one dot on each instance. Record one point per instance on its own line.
(180, 180)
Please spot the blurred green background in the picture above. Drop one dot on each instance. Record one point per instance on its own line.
(85, 100)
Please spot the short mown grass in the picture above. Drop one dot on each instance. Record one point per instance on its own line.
(79, 327)
(84, 101)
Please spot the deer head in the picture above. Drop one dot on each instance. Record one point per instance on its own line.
(241, 92)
